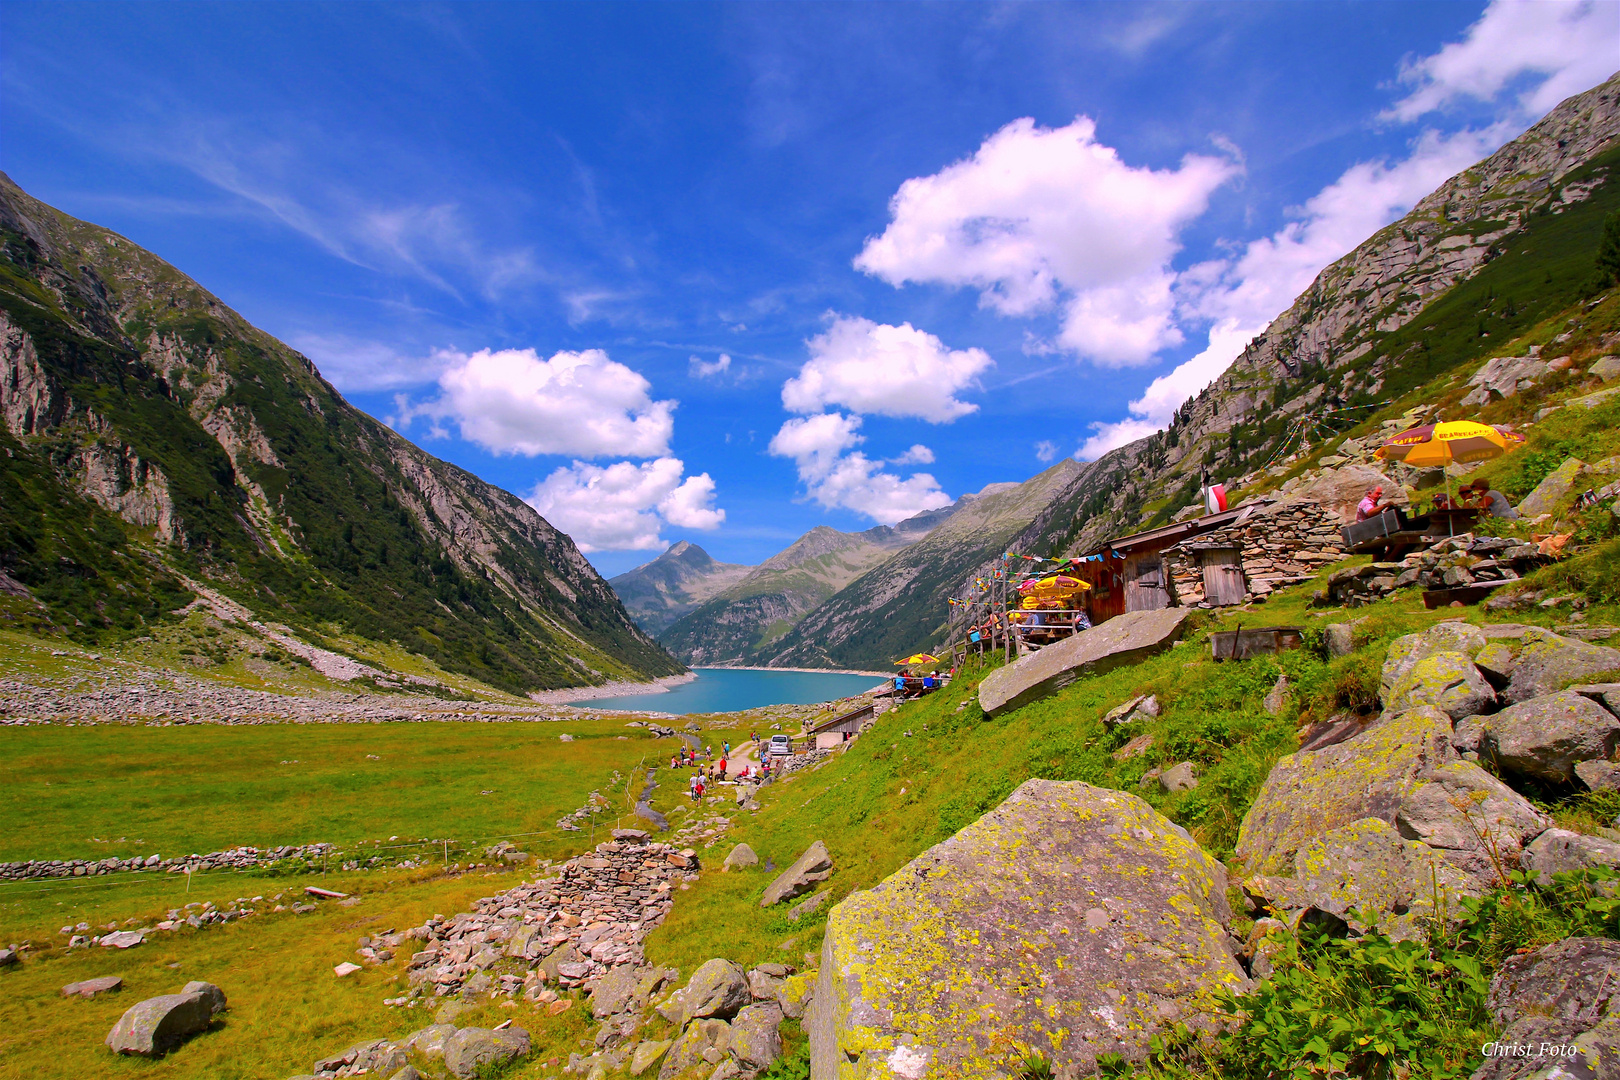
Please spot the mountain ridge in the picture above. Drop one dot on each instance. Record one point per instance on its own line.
(152, 434)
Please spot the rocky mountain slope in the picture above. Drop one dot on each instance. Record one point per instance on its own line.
(1487, 255)
(658, 593)
(157, 444)
(737, 622)
(899, 606)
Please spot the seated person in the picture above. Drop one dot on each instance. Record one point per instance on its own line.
(1370, 506)
(1492, 501)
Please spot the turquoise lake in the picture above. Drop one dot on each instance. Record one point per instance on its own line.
(735, 689)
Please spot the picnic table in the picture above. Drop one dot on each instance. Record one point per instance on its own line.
(1393, 533)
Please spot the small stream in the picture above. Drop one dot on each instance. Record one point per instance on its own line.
(643, 810)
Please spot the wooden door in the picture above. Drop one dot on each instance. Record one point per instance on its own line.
(1145, 588)
(1223, 576)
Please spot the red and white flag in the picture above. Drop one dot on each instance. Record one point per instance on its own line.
(1215, 497)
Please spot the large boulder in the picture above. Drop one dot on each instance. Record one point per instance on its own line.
(1367, 866)
(1559, 851)
(1072, 920)
(1370, 776)
(1124, 639)
(755, 1041)
(742, 855)
(1340, 489)
(157, 1025)
(1406, 652)
(1472, 819)
(470, 1050)
(810, 869)
(1557, 996)
(1446, 680)
(1547, 737)
(718, 988)
(1547, 663)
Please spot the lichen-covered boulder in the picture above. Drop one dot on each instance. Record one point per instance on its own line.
(1366, 865)
(1546, 496)
(1547, 663)
(1547, 737)
(1405, 653)
(1312, 792)
(703, 1041)
(1559, 851)
(157, 1025)
(718, 988)
(810, 869)
(1446, 680)
(429, 1041)
(1071, 920)
(755, 1041)
(472, 1049)
(1557, 996)
(1472, 818)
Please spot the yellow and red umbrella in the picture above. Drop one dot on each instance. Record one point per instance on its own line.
(917, 658)
(1450, 441)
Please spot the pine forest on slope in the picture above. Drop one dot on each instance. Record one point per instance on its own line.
(152, 436)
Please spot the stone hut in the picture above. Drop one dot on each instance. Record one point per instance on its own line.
(1267, 546)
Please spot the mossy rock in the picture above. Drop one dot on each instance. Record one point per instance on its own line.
(1446, 680)
(1071, 921)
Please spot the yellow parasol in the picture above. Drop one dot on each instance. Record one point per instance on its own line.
(1447, 442)
(917, 658)
(1444, 443)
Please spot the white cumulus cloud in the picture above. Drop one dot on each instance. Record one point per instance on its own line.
(1044, 216)
(1566, 46)
(623, 506)
(576, 403)
(887, 370)
(1046, 450)
(1241, 296)
(836, 475)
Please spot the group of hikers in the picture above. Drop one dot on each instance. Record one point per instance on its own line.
(689, 758)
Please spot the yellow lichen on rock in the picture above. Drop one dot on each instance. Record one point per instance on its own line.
(970, 956)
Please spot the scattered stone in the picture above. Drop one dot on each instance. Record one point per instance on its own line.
(377, 1057)
(1339, 640)
(1138, 746)
(123, 939)
(1144, 706)
(616, 992)
(89, 988)
(1180, 777)
(429, 1041)
(741, 855)
(812, 868)
(1599, 775)
(1124, 639)
(900, 996)
(1277, 696)
(805, 908)
(647, 1054)
(1546, 737)
(345, 969)
(469, 1050)
(8, 958)
(703, 1040)
(754, 1038)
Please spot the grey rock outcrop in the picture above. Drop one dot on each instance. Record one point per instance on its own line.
(742, 855)
(1559, 851)
(1071, 919)
(1124, 639)
(471, 1049)
(809, 870)
(1546, 662)
(1559, 995)
(1546, 737)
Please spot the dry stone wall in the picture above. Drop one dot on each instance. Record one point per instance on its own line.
(1282, 544)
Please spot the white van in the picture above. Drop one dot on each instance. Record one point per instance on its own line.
(781, 746)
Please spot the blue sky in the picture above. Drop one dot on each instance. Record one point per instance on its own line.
(727, 272)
